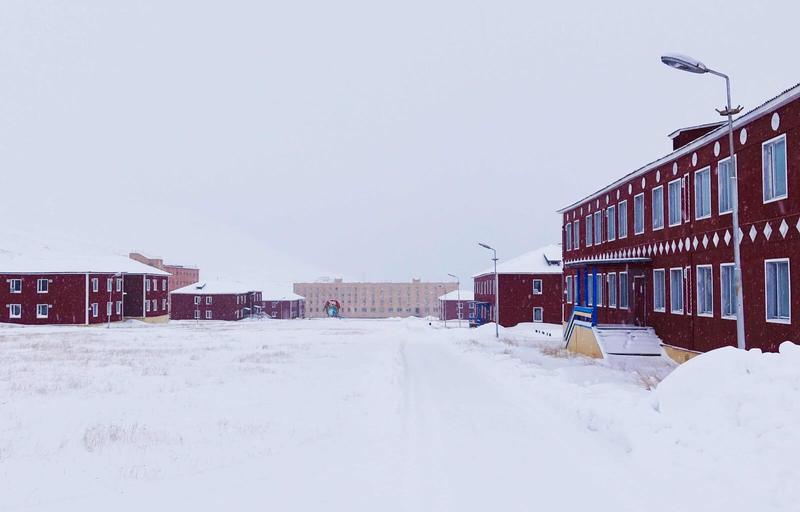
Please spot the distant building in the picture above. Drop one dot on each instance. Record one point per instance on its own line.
(374, 300)
(283, 306)
(181, 276)
(80, 290)
(215, 300)
(457, 305)
(530, 288)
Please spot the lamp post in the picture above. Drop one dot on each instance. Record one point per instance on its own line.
(458, 296)
(684, 63)
(496, 291)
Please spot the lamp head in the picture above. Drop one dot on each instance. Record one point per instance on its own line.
(684, 63)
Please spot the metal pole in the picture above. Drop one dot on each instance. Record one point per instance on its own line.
(737, 260)
(496, 298)
(458, 300)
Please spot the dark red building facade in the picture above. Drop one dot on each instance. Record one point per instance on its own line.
(655, 247)
(214, 301)
(458, 305)
(284, 307)
(530, 288)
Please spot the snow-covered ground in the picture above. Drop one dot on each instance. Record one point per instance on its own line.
(385, 415)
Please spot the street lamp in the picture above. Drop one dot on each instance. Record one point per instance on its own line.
(496, 291)
(458, 296)
(684, 63)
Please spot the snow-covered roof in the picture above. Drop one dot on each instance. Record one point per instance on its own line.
(214, 288)
(774, 103)
(284, 296)
(677, 132)
(544, 260)
(54, 262)
(459, 295)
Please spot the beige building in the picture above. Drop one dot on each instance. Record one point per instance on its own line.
(374, 300)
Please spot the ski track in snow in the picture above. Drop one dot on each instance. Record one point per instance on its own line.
(347, 415)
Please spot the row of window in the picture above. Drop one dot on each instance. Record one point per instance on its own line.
(616, 283)
(15, 285)
(484, 286)
(774, 183)
(152, 305)
(43, 310)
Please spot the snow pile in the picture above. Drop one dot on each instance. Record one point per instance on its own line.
(730, 389)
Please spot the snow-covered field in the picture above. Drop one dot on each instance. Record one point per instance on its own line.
(385, 415)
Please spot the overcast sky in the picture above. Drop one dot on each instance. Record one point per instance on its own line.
(368, 139)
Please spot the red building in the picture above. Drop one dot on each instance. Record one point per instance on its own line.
(655, 248)
(180, 276)
(284, 306)
(215, 300)
(530, 288)
(457, 305)
(78, 290)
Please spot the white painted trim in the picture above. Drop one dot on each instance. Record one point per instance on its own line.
(721, 304)
(735, 172)
(672, 310)
(616, 290)
(533, 287)
(669, 203)
(663, 289)
(10, 314)
(786, 159)
(608, 216)
(534, 314)
(588, 225)
(785, 321)
(47, 311)
(641, 194)
(619, 210)
(697, 290)
(627, 307)
(652, 208)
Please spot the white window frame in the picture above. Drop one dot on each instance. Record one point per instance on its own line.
(209, 300)
(599, 298)
(164, 285)
(95, 284)
(209, 315)
(682, 310)
(598, 227)
(781, 320)
(109, 284)
(12, 288)
(196, 300)
(660, 189)
(147, 306)
(119, 284)
(589, 230)
(11, 308)
(785, 159)
(622, 208)
(697, 269)
(533, 286)
(119, 307)
(576, 235)
(109, 308)
(610, 287)
(569, 289)
(197, 314)
(611, 223)
(697, 215)
(729, 211)
(164, 304)
(619, 295)
(40, 308)
(40, 288)
(663, 307)
(541, 314)
(155, 305)
(95, 310)
(679, 181)
(146, 284)
(637, 196)
(568, 236)
(732, 266)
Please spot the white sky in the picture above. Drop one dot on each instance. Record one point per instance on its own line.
(368, 139)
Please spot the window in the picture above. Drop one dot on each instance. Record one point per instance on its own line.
(155, 305)
(109, 306)
(196, 300)
(658, 207)
(147, 284)
(164, 285)
(599, 296)
(778, 294)
(15, 310)
(196, 314)
(164, 304)
(725, 172)
(147, 306)
(675, 193)
(576, 235)
(702, 193)
(42, 310)
(95, 284)
(119, 284)
(727, 290)
(622, 209)
(119, 307)
(676, 290)
(612, 290)
(705, 291)
(95, 311)
(568, 236)
(538, 314)
(537, 286)
(208, 314)
(658, 290)
(569, 289)
(15, 285)
(638, 214)
(42, 285)
(611, 223)
(774, 169)
(109, 284)
(208, 300)
(598, 228)
(623, 290)
(576, 297)
(588, 230)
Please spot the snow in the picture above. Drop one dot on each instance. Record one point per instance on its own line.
(544, 260)
(458, 295)
(217, 287)
(384, 415)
